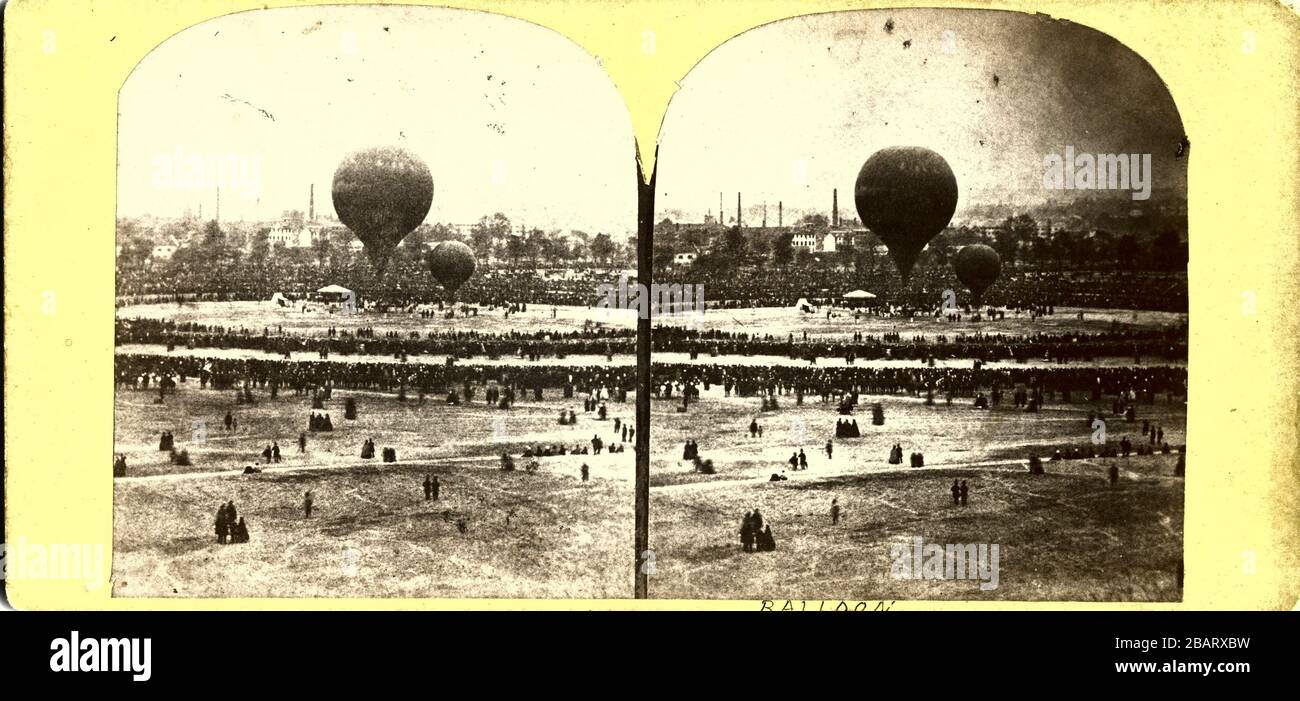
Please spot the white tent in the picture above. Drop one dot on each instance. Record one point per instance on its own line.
(334, 290)
(804, 305)
(858, 298)
(279, 300)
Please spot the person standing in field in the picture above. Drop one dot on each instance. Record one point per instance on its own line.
(835, 512)
(222, 525)
(747, 533)
(306, 503)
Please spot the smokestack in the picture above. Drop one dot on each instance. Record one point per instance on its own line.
(311, 204)
(835, 208)
(218, 217)
(737, 210)
(780, 211)
(764, 215)
(722, 218)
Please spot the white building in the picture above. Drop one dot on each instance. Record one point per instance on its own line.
(289, 236)
(805, 240)
(684, 259)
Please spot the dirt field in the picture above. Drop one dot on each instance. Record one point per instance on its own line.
(372, 534)
(1063, 536)
(780, 321)
(1066, 535)
(255, 315)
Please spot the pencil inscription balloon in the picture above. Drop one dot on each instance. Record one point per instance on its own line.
(452, 263)
(382, 194)
(906, 195)
(977, 266)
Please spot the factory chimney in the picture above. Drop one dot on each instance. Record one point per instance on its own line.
(835, 208)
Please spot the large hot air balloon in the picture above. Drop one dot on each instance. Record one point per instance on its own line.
(452, 263)
(977, 266)
(906, 195)
(382, 194)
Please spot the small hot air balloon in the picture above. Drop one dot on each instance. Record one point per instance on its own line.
(977, 266)
(382, 194)
(906, 195)
(452, 263)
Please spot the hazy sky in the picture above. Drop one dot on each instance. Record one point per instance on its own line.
(510, 117)
(791, 110)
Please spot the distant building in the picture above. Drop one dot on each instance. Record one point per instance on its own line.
(684, 259)
(291, 235)
(829, 241)
(163, 251)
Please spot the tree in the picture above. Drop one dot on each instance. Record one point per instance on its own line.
(602, 249)
(515, 249)
(783, 249)
(816, 221)
(534, 244)
(555, 248)
(1126, 250)
(733, 244)
(1166, 251)
(487, 234)
(259, 253)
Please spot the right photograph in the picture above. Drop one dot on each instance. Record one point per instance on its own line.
(926, 332)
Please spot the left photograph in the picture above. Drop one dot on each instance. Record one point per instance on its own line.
(363, 342)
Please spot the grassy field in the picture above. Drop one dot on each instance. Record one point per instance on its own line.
(1066, 535)
(781, 321)
(1063, 536)
(944, 434)
(777, 321)
(255, 315)
(372, 534)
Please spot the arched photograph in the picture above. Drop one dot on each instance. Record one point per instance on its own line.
(938, 341)
(359, 346)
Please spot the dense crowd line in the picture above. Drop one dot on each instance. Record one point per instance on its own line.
(1167, 344)
(758, 287)
(592, 340)
(142, 371)
(402, 285)
(1135, 384)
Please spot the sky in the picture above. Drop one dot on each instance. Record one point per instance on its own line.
(789, 111)
(509, 117)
